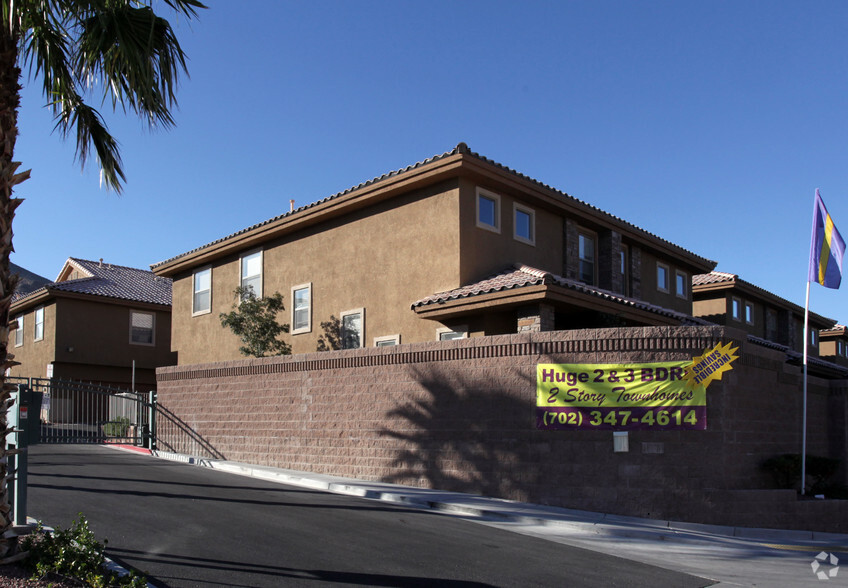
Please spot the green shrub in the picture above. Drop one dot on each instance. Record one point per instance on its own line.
(73, 553)
(117, 428)
(786, 470)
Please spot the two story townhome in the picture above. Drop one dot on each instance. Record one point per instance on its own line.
(725, 299)
(453, 246)
(97, 322)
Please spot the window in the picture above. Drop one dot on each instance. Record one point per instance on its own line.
(586, 258)
(301, 309)
(446, 334)
(202, 286)
(814, 337)
(39, 324)
(749, 313)
(771, 324)
(387, 341)
(524, 225)
(680, 284)
(353, 328)
(488, 210)
(736, 309)
(141, 327)
(625, 270)
(251, 272)
(662, 277)
(19, 331)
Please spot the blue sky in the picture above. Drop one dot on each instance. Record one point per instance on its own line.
(710, 124)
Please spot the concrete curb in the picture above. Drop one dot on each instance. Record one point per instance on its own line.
(496, 509)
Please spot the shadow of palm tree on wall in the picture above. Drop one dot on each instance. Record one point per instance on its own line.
(463, 436)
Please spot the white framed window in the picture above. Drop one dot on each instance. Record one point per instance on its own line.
(662, 277)
(38, 331)
(19, 331)
(448, 334)
(251, 272)
(353, 328)
(488, 210)
(681, 284)
(142, 327)
(524, 224)
(387, 341)
(201, 285)
(586, 258)
(749, 313)
(736, 309)
(301, 320)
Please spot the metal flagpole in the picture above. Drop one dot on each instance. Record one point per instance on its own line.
(804, 425)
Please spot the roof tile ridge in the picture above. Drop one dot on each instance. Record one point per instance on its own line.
(533, 271)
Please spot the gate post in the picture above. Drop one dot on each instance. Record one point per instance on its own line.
(151, 438)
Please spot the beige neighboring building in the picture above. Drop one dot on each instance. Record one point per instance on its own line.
(833, 344)
(454, 246)
(725, 299)
(92, 323)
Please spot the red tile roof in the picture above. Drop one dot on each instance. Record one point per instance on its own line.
(110, 281)
(523, 276)
(461, 148)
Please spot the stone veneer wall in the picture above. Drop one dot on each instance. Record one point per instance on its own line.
(459, 415)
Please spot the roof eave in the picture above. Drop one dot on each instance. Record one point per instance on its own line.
(324, 210)
(513, 297)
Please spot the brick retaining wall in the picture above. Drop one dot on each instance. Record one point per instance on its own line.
(459, 415)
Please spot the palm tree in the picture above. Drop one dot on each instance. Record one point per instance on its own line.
(119, 48)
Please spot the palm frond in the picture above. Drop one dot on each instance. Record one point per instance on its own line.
(119, 46)
(91, 132)
(136, 55)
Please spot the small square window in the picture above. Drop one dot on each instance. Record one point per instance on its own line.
(301, 309)
(662, 277)
(586, 258)
(353, 329)
(387, 341)
(525, 224)
(681, 284)
(736, 309)
(749, 313)
(447, 334)
(142, 327)
(202, 286)
(251, 272)
(488, 210)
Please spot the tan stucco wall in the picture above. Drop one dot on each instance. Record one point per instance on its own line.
(485, 252)
(34, 356)
(99, 334)
(90, 340)
(652, 294)
(382, 258)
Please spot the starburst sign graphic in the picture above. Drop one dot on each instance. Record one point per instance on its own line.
(710, 366)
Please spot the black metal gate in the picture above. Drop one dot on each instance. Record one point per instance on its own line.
(81, 412)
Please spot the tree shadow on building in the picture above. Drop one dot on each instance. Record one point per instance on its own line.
(464, 435)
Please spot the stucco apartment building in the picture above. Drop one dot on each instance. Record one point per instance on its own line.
(451, 247)
(725, 299)
(92, 323)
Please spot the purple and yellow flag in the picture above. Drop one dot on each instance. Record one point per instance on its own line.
(826, 248)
